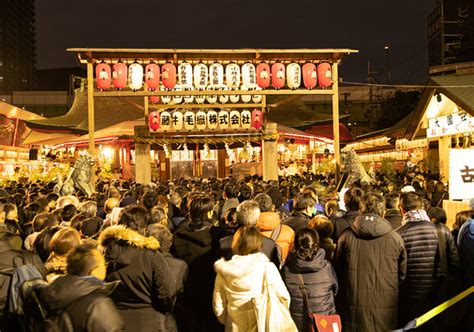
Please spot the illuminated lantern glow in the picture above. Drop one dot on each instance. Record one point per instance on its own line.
(168, 75)
(223, 99)
(246, 98)
(263, 75)
(246, 119)
(119, 75)
(189, 120)
(165, 120)
(310, 75)
(189, 98)
(200, 76)
(103, 76)
(165, 99)
(232, 75)
(249, 76)
(216, 75)
(211, 99)
(257, 119)
(234, 119)
(257, 98)
(201, 120)
(212, 119)
(200, 99)
(234, 98)
(324, 75)
(154, 99)
(185, 74)
(177, 99)
(154, 120)
(223, 119)
(135, 76)
(293, 75)
(152, 76)
(278, 75)
(177, 120)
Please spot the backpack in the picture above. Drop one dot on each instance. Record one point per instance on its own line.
(274, 236)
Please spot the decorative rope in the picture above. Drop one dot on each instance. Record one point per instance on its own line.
(203, 139)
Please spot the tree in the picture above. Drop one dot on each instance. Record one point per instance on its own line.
(397, 106)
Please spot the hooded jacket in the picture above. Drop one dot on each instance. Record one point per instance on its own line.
(85, 301)
(237, 282)
(320, 281)
(147, 288)
(394, 217)
(466, 249)
(343, 223)
(267, 222)
(297, 221)
(371, 262)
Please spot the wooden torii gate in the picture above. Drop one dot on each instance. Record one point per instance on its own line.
(91, 56)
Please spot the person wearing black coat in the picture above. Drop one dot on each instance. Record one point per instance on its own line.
(146, 294)
(197, 242)
(80, 298)
(319, 279)
(304, 209)
(393, 214)
(352, 201)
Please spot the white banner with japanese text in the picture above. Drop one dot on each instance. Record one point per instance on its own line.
(461, 173)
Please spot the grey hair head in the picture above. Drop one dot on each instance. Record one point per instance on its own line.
(248, 213)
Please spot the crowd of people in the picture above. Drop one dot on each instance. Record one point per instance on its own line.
(192, 255)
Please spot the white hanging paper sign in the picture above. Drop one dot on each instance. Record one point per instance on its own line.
(212, 120)
(234, 119)
(201, 120)
(189, 120)
(165, 120)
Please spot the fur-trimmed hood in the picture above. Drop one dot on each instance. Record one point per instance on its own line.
(129, 236)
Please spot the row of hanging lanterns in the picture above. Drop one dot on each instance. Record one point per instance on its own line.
(205, 120)
(215, 77)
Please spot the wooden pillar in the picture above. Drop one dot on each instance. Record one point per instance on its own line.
(142, 158)
(90, 106)
(223, 164)
(270, 153)
(313, 157)
(335, 120)
(444, 145)
(165, 166)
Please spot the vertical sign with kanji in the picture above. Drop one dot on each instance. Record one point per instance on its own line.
(461, 174)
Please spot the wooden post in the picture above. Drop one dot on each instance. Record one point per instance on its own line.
(90, 106)
(335, 120)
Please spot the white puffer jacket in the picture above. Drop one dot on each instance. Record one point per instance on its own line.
(237, 282)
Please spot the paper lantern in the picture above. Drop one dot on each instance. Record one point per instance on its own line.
(185, 74)
(200, 76)
(278, 75)
(152, 76)
(293, 75)
(201, 120)
(249, 75)
(310, 75)
(165, 120)
(232, 74)
(119, 75)
(189, 120)
(212, 119)
(154, 120)
(234, 98)
(168, 76)
(165, 99)
(257, 98)
(246, 119)
(216, 75)
(257, 119)
(200, 99)
(324, 75)
(178, 99)
(135, 76)
(177, 120)
(103, 76)
(263, 75)
(245, 98)
(189, 98)
(211, 99)
(223, 99)
(154, 99)
(223, 119)
(234, 119)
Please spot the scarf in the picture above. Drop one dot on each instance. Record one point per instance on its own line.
(415, 215)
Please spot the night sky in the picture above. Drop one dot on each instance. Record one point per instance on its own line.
(366, 25)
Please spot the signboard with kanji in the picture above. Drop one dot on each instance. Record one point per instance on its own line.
(452, 124)
(461, 173)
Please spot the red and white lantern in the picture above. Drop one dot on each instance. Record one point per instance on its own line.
(152, 76)
(257, 119)
(154, 120)
(154, 99)
(263, 75)
(119, 75)
(310, 75)
(135, 76)
(168, 76)
(293, 75)
(278, 75)
(103, 76)
(324, 75)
